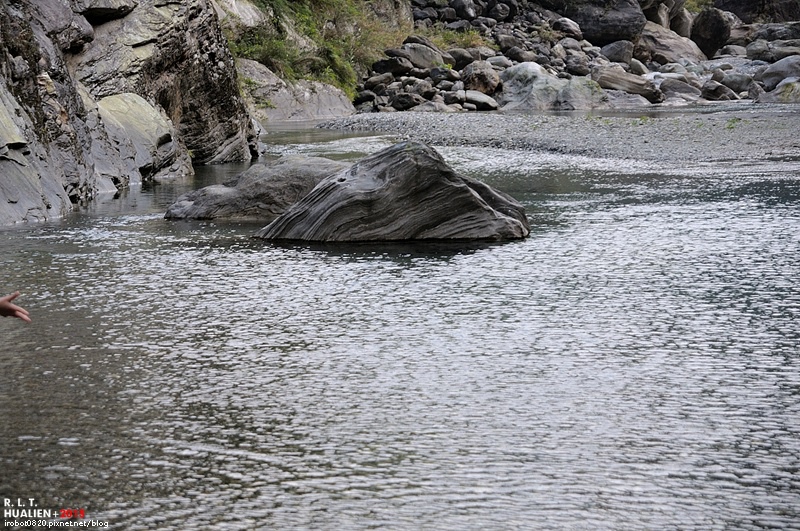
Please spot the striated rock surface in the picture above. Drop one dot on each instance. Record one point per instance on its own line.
(175, 54)
(140, 130)
(405, 192)
(262, 192)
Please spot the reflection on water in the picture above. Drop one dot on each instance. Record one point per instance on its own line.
(632, 365)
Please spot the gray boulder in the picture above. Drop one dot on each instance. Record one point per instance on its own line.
(613, 77)
(682, 23)
(787, 91)
(406, 100)
(660, 45)
(420, 55)
(529, 87)
(675, 88)
(568, 27)
(780, 70)
(711, 30)
(397, 66)
(736, 81)
(481, 101)
(715, 91)
(405, 192)
(480, 76)
(619, 51)
(462, 57)
(465, 9)
(262, 192)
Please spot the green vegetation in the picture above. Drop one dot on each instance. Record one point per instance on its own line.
(731, 123)
(447, 39)
(333, 41)
(695, 6)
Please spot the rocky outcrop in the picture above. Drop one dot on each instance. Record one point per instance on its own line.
(141, 132)
(174, 54)
(272, 99)
(406, 192)
(101, 94)
(262, 192)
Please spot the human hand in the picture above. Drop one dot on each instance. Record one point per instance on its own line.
(8, 309)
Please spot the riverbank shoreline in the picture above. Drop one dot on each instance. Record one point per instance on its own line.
(724, 132)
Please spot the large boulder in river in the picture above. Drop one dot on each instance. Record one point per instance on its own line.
(262, 192)
(405, 192)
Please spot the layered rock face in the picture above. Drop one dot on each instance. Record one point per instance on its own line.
(174, 54)
(100, 94)
(405, 192)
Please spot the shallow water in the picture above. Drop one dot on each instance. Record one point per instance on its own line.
(634, 364)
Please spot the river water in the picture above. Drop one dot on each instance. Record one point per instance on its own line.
(633, 364)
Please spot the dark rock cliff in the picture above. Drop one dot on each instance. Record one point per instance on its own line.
(96, 95)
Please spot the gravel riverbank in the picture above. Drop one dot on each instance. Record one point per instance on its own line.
(731, 132)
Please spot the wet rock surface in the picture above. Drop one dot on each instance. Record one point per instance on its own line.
(262, 192)
(405, 192)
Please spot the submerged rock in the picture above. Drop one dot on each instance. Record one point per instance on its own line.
(262, 192)
(405, 192)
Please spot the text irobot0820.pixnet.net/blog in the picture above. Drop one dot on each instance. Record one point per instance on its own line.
(26, 512)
